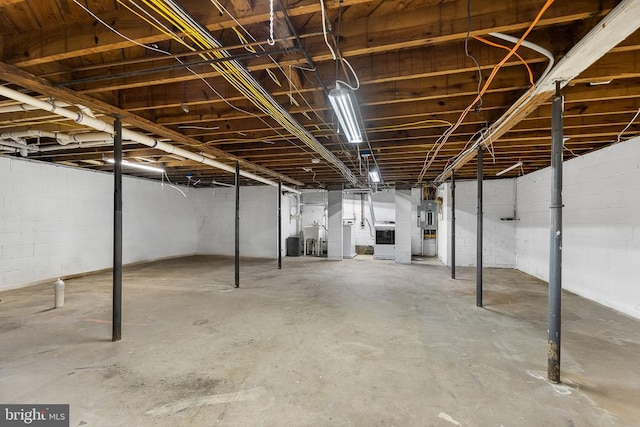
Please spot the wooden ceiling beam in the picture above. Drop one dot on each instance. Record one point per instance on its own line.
(419, 27)
(60, 42)
(445, 81)
(373, 69)
(19, 77)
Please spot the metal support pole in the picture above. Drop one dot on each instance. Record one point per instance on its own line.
(555, 256)
(279, 225)
(479, 233)
(237, 276)
(116, 320)
(453, 225)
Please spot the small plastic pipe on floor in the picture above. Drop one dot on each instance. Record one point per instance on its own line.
(58, 290)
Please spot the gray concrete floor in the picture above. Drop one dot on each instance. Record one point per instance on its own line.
(352, 343)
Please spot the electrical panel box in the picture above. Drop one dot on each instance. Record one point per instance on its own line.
(428, 215)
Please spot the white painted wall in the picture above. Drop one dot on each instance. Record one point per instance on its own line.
(601, 247)
(258, 221)
(403, 227)
(334, 225)
(384, 204)
(364, 234)
(444, 224)
(498, 235)
(314, 209)
(416, 232)
(57, 221)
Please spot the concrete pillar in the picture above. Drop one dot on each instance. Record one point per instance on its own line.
(404, 225)
(416, 232)
(334, 235)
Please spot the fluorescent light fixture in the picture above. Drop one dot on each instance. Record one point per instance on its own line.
(344, 105)
(374, 175)
(510, 168)
(224, 184)
(137, 166)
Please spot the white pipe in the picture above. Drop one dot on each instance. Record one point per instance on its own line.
(86, 110)
(531, 46)
(91, 144)
(17, 108)
(130, 135)
(61, 138)
(373, 214)
(64, 138)
(26, 107)
(19, 145)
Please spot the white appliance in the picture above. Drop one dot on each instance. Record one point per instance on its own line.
(348, 241)
(385, 241)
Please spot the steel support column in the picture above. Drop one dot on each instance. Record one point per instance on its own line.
(237, 263)
(555, 255)
(479, 233)
(279, 225)
(116, 320)
(453, 225)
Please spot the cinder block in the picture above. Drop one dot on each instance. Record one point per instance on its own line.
(17, 251)
(12, 238)
(11, 225)
(18, 277)
(45, 249)
(11, 209)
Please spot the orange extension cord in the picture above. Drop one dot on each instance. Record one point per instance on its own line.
(495, 70)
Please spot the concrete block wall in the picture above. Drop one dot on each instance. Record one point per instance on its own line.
(57, 221)
(416, 232)
(404, 227)
(444, 224)
(314, 209)
(364, 234)
(498, 235)
(334, 225)
(601, 236)
(384, 203)
(258, 221)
